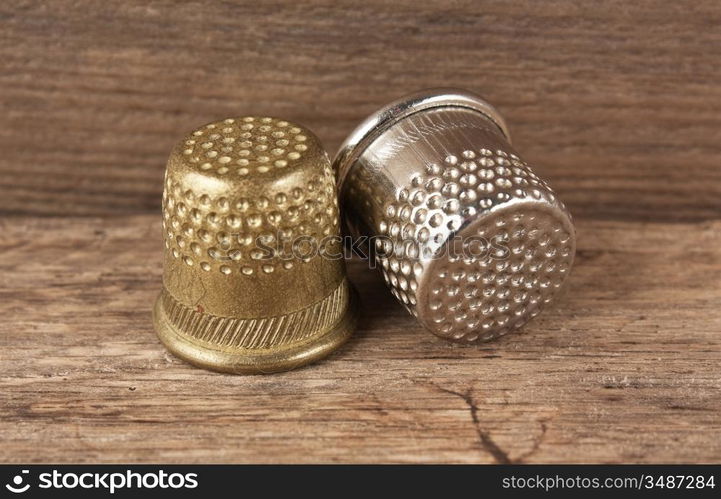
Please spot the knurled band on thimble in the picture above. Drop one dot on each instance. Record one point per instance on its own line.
(467, 237)
(252, 280)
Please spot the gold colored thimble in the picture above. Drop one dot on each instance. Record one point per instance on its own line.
(254, 279)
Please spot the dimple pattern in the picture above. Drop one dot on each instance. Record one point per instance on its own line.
(461, 296)
(482, 298)
(248, 235)
(245, 146)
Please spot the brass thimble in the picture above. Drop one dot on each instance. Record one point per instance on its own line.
(468, 238)
(254, 279)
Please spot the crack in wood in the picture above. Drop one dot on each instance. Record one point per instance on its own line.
(536, 444)
(487, 443)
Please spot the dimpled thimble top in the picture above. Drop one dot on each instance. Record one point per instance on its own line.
(250, 216)
(469, 239)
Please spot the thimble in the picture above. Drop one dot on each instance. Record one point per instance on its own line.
(467, 237)
(253, 278)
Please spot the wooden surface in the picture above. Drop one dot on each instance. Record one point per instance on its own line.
(618, 104)
(625, 367)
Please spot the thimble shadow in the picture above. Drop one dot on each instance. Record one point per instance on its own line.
(376, 301)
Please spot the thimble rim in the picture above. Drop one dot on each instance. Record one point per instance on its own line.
(263, 361)
(390, 114)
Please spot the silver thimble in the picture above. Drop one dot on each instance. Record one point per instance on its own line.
(468, 238)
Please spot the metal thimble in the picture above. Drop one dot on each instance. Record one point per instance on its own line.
(253, 279)
(468, 238)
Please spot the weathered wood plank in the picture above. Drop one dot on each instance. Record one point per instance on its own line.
(623, 368)
(618, 103)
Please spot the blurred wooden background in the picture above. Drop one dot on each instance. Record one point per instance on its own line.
(616, 103)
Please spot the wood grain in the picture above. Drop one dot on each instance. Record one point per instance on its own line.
(623, 368)
(617, 103)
